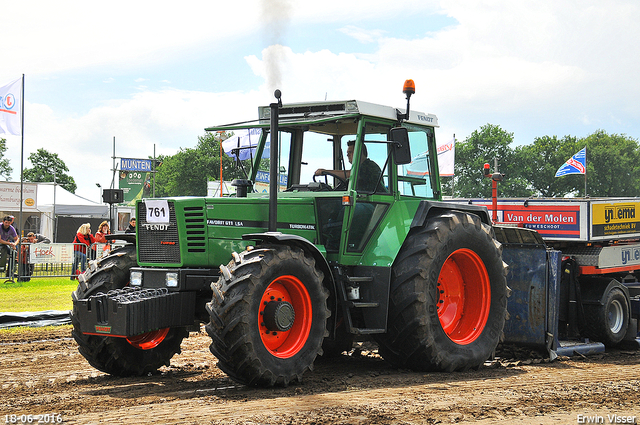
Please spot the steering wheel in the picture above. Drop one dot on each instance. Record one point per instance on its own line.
(342, 183)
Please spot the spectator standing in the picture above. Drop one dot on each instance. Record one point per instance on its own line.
(131, 228)
(103, 231)
(81, 246)
(8, 239)
(14, 226)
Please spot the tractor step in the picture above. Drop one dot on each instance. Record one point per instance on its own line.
(357, 304)
(368, 331)
(354, 279)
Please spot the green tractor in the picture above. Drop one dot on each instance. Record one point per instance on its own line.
(310, 255)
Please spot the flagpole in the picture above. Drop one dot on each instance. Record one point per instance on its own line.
(454, 167)
(585, 172)
(21, 181)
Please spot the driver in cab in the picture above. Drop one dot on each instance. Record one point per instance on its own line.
(368, 175)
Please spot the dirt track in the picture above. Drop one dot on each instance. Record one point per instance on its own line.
(45, 377)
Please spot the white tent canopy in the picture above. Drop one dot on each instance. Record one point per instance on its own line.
(60, 201)
(68, 203)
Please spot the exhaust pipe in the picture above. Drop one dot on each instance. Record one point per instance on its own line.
(274, 175)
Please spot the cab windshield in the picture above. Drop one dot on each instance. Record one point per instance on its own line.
(334, 147)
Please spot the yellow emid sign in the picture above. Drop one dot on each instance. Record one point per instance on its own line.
(617, 218)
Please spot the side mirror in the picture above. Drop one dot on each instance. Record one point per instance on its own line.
(401, 150)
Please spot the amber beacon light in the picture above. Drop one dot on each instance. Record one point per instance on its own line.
(409, 88)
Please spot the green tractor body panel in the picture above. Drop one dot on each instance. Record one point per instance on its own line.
(209, 229)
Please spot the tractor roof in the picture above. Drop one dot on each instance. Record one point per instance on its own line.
(319, 112)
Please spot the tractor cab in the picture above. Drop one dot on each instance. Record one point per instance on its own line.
(352, 159)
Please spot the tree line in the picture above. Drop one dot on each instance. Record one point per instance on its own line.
(613, 165)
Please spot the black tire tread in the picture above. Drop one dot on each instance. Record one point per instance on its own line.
(413, 340)
(233, 338)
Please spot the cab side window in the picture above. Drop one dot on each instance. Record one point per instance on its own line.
(415, 178)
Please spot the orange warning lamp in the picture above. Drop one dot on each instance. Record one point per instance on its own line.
(409, 88)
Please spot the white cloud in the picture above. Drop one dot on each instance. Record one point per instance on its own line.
(362, 35)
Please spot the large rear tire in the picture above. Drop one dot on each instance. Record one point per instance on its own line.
(608, 323)
(268, 316)
(132, 356)
(448, 302)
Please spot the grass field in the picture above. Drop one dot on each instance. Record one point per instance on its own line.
(37, 295)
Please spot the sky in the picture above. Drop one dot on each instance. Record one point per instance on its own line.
(153, 74)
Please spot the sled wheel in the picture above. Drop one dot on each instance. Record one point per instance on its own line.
(464, 296)
(608, 322)
(137, 355)
(615, 316)
(448, 300)
(268, 316)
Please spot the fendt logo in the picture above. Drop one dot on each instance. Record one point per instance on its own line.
(152, 227)
(8, 102)
(619, 212)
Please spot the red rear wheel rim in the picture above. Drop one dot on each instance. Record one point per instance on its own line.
(464, 296)
(148, 340)
(285, 344)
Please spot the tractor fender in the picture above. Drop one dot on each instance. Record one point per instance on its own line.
(287, 239)
(427, 209)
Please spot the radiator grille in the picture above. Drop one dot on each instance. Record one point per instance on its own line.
(195, 224)
(158, 246)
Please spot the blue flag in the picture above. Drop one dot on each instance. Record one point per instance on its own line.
(577, 164)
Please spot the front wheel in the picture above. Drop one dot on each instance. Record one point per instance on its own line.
(268, 316)
(137, 355)
(448, 301)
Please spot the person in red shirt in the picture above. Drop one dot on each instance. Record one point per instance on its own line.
(81, 245)
(103, 230)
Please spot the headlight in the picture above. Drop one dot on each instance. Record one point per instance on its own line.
(172, 280)
(136, 279)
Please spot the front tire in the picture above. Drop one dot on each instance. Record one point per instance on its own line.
(268, 316)
(133, 356)
(448, 301)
